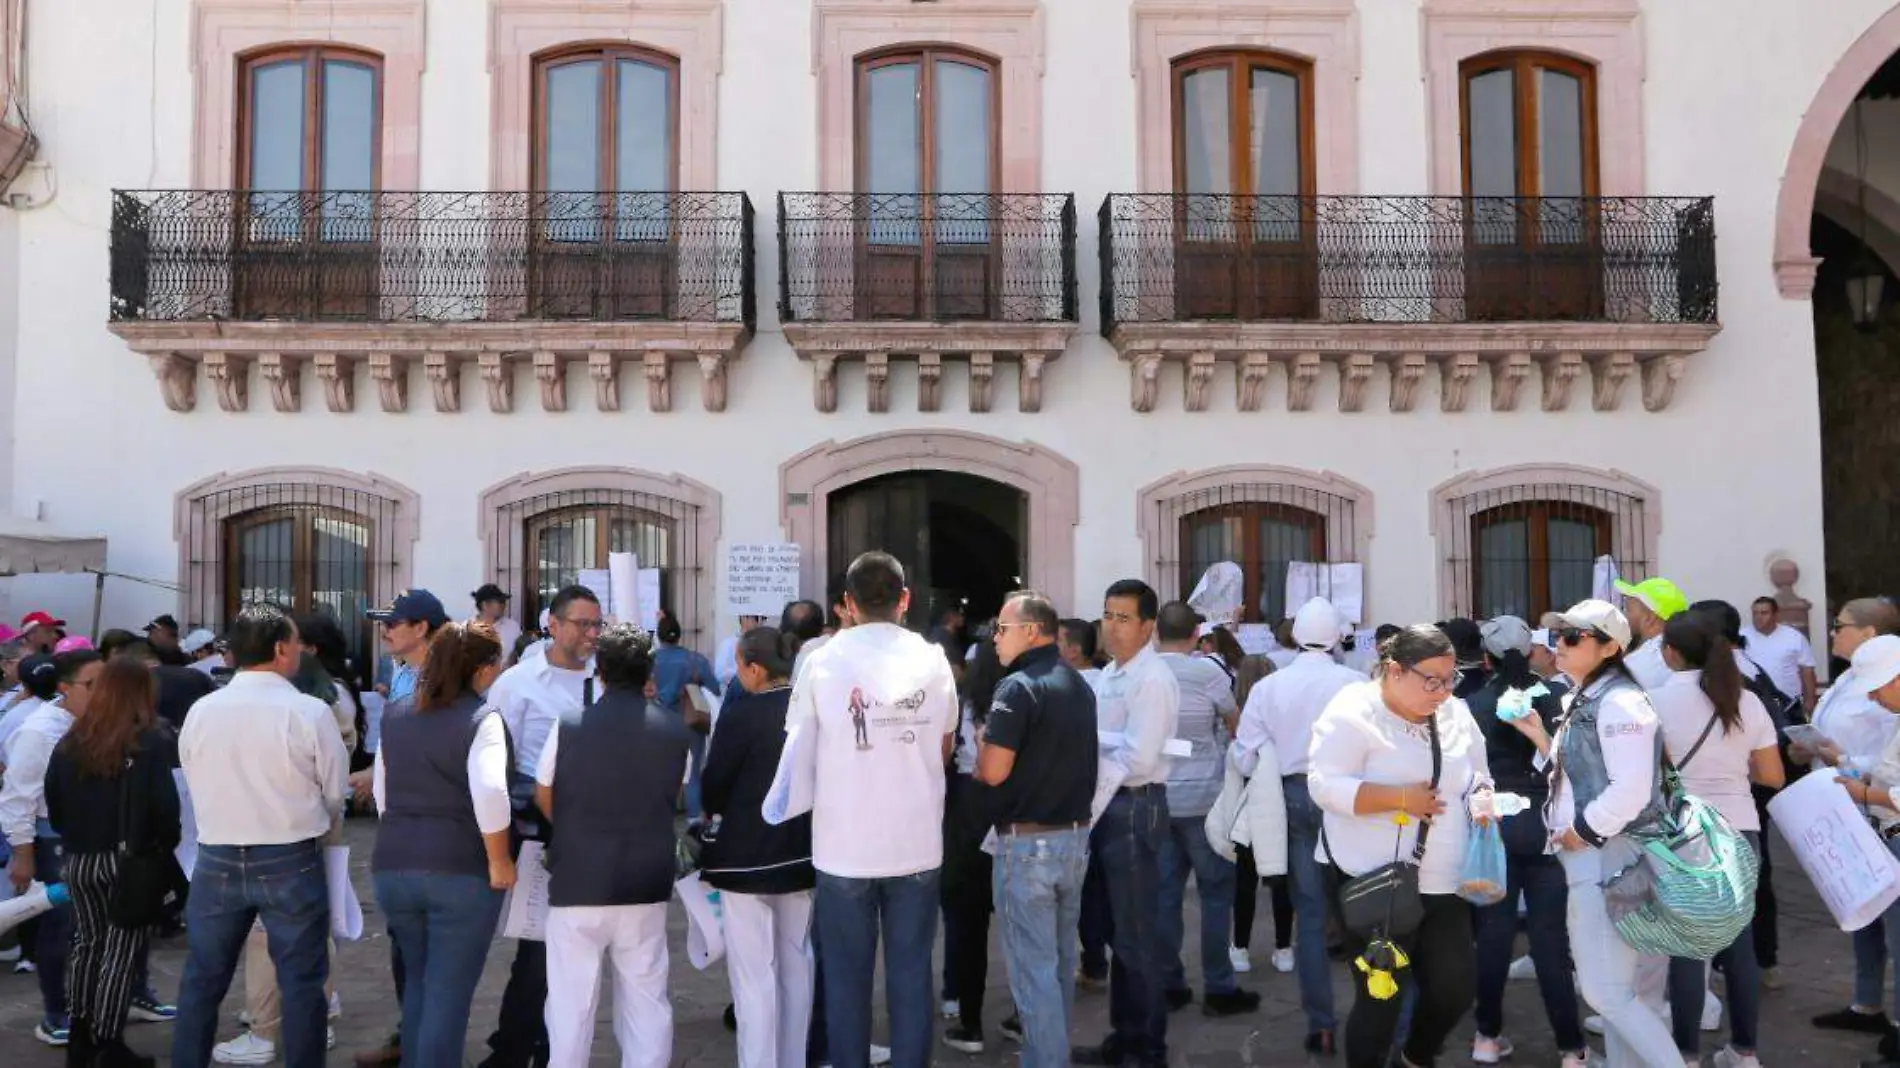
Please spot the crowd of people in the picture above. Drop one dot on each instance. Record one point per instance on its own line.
(852, 788)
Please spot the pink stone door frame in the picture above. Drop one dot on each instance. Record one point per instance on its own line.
(1049, 480)
(1794, 263)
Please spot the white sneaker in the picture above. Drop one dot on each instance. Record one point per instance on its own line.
(329, 1038)
(1283, 959)
(1711, 1012)
(950, 1009)
(1523, 968)
(246, 1048)
(25, 967)
(1240, 959)
(1728, 1058)
(1490, 1050)
(336, 1006)
(880, 1055)
(1593, 1024)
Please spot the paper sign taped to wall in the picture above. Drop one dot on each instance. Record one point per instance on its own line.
(600, 582)
(761, 578)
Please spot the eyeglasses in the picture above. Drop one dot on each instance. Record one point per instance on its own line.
(1574, 636)
(584, 624)
(1434, 684)
(1838, 625)
(1001, 627)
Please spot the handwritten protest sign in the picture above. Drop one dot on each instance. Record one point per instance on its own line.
(1849, 866)
(761, 578)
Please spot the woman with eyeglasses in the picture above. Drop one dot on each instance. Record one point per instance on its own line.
(1396, 758)
(1606, 761)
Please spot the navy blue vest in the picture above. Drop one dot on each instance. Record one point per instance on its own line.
(616, 774)
(429, 824)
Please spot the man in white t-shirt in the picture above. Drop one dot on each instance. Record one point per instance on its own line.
(1782, 651)
(880, 707)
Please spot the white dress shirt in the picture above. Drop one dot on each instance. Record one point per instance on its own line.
(487, 776)
(1646, 663)
(726, 660)
(264, 763)
(1140, 701)
(1626, 733)
(23, 794)
(1282, 709)
(1855, 722)
(534, 696)
(15, 716)
(1206, 700)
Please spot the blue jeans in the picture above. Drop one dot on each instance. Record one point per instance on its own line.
(1096, 927)
(851, 914)
(1688, 980)
(231, 887)
(696, 746)
(1129, 837)
(1038, 880)
(1539, 879)
(1308, 885)
(444, 924)
(53, 935)
(1185, 851)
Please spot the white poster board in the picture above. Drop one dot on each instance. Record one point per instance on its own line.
(761, 578)
(600, 582)
(1847, 862)
(647, 585)
(623, 582)
(1342, 584)
(1256, 639)
(525, 912)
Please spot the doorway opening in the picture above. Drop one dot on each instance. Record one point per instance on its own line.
(960, 537)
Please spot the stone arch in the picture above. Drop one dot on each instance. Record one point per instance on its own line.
(1794, 262)
(1051, 482)
(1839, 199)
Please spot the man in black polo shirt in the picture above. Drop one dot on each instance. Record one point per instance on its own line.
(1039, 751)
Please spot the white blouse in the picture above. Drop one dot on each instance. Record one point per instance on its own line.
(1359, 740)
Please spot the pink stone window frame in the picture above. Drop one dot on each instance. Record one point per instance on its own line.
(1010, 31)
(1050, 481)
(691, 31)
(1325, 34)
(1605, 33)
(225, 30)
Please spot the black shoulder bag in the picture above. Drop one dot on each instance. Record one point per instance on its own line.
(1384, 903)
(149, 879)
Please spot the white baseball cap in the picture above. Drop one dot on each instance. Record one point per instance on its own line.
(196, 640)
(1316, 625)
(1876, 663)
(1600, 616)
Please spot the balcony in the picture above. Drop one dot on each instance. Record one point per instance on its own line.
(214, 281)
(973, 277)
(1613, 287)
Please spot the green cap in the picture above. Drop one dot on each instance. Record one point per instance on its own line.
(1659, 595)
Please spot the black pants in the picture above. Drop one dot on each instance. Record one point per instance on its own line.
(103, 968)
(521, 1031)
(968, 897)
(1442, 976)
(1097, 926)
(1767, 935)
(1246, 890)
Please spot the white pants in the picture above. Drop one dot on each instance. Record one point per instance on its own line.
(768, 959)
(1634, 1036)
(634, 938)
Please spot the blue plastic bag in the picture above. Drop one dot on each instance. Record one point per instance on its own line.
(1481, 879)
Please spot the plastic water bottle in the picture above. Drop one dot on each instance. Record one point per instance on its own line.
(37, 899)
(1510, 804)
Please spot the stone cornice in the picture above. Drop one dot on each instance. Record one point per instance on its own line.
(1610, 354)
(225, 353)
(978, 344)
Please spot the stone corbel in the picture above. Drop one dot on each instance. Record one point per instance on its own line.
(177, 380)
(982, 380)
(1254, 368)
(712, 380)
(659, 371)
(604, 369)
(1607, 375)
(929, 381)
(1301, 376)
(1508, 376)
(444, 372)
(230, 372)
(285, 377)
(1198, 383)
(1355, 375)
(391, 375)
(1144, 380)
(1560, 373)
(1794, 276)
(551, 372)
(338, 376)
(824, 382)
(877, 382)
(1454, 381)
(1407, 372)
(1029, 381)
(1660, 376)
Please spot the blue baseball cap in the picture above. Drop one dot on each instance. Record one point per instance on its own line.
(413, 606)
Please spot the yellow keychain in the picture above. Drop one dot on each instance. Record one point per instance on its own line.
(1378, 963)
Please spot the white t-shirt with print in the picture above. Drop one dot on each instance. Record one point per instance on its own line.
(1718, 772)
(881, 700)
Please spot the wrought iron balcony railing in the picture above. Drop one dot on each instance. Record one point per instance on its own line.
(1359, 259)
(181, 255)
(998, 257)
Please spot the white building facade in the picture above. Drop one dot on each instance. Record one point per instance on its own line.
(1470, 292)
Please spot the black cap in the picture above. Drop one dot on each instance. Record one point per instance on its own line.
(1466, 639)
(166, 622)
(489, 592)
(40, 675)
(413, 606)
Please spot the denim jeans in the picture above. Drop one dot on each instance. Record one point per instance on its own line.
(1096, 927)
(231, 887)
(1129, 837)
(53, 934)
(851, 915)
(1186, 852)
(1539, 879)
(1308, 884)
(696, 747)
(1889, 926)
(444, 924)
(1634, 1036)
(1689, 980)
(1038, 879)
(1870, 964)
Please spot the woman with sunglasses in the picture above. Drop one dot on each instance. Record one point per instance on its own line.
(1606, 762)
(1375, 750)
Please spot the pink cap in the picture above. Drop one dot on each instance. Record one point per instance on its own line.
(72, 643)
(7, 633)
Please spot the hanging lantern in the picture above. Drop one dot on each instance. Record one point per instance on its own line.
(1864, 291)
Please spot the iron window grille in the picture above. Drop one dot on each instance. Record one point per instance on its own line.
(1528, 549)
(1263, 527)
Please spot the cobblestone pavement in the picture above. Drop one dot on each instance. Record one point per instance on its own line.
(1816, 966)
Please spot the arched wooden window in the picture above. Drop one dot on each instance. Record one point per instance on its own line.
(928, 160)
(1263, 538)
(1532, 557)
(606, 161)
(1243, 154)
(309, 152)
(1529, 148)
(564, 541)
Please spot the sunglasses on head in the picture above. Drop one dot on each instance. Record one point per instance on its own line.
(1574, 636)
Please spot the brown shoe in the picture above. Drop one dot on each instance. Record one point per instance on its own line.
(389, 1053)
